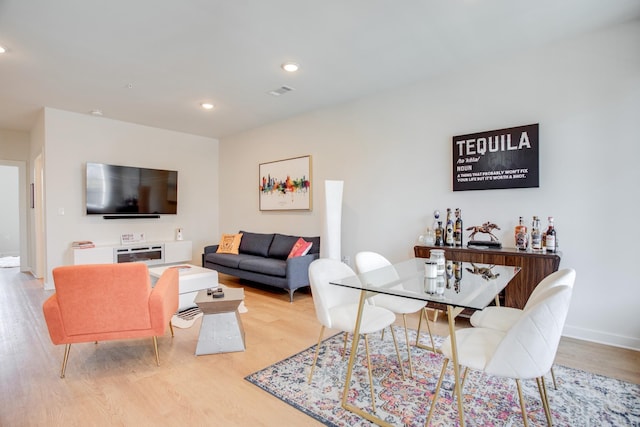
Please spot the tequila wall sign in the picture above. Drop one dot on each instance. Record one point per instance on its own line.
(503, 158)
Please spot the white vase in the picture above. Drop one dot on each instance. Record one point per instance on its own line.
(330, 242)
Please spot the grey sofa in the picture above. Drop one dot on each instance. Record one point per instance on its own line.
(262, 258)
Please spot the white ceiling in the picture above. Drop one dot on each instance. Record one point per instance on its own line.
(153, 62)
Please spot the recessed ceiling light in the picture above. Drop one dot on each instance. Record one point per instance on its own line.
(2, 49)
(207, 105)
(96, 112)
(290, 67)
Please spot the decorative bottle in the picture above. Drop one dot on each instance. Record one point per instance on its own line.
(439, 234)
(448, 233)
(521, 236)
(457, 228)
(436, 218)
(536, 235)
(551, 240)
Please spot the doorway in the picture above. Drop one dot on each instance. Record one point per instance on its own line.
(13, 216)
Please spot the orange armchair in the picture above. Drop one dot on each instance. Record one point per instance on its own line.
(109, 302)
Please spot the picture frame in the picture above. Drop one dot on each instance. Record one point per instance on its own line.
(285, 185)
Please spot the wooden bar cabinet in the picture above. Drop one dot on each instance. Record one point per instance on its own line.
(534, 266)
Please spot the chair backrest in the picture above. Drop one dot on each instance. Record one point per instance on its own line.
(529, 347)
(367, 261)
(103, 297)
(371, 261)
(565, 277)
(325, 295)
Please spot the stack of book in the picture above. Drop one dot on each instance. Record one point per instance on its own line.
(82, 244)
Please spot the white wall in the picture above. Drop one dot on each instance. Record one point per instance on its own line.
(394, 153)
(72, 139)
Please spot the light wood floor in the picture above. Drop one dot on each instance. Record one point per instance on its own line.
(118, 383)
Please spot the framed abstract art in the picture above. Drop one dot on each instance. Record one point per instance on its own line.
(285, 185)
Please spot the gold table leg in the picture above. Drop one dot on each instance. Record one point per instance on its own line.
(456, 365)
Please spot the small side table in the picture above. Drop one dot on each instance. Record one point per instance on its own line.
(221, 330)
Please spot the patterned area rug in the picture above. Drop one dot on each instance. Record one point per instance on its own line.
(582, 399)
(186, 318)
(10, 262)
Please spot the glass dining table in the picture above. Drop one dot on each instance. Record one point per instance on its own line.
(461, 286)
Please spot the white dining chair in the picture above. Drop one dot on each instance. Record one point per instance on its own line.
(367, 261)
(525, 351)
(503, 318)
(337, 308)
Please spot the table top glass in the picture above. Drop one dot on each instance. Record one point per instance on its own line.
(466, 285)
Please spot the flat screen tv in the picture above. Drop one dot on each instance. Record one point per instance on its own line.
(130, 191)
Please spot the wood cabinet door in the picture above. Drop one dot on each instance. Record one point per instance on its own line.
(533, 268)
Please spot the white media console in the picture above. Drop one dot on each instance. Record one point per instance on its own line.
(154, 253)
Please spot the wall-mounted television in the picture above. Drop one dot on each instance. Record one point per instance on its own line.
(130, 191)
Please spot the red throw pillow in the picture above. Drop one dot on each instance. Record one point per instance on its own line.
(300, 248)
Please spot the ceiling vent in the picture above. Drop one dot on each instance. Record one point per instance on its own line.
(280, 91)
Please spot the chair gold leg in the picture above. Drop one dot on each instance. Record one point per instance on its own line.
(553, 377)
(437, 392)
(433, 344)
(315, 357)
(546, 400)
(65, 358)
(522, 404)
(373, 396)
(464, 377)
(155, 347)
(395, 343)
(406, 339)
(171, 328)
(344, 349)
(542, 389)
(423, 314)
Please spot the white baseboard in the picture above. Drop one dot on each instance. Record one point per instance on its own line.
(601, 337)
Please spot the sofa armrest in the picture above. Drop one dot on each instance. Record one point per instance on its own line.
(163, 300)
(298, 270)
(208, 250)
(211, 248)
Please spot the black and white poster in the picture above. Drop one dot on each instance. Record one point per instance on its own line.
(503, 158)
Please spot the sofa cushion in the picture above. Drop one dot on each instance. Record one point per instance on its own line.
(272, 267)
(228, 260)
(281, 246)
(255, 243)
(229, 243)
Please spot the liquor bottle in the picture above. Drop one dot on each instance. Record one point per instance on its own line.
(536, 235)
(551, 240)
(521, 236)
(439, 234)
(457, 229)
(448, 233)
(436, 218)
(457, 274)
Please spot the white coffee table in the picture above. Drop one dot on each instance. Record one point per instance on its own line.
(192, 280)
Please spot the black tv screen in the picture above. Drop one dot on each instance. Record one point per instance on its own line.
(126, 190)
